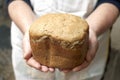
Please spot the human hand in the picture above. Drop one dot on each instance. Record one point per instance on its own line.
(93, 46)
(29, 57)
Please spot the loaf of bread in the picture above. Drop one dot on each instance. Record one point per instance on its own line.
(59, 40)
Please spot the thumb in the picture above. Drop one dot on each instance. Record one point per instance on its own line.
(93, 46)
(26, 46)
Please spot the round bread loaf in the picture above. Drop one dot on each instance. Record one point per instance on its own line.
(59, 40)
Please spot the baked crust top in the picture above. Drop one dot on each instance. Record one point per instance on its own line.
(60, 26)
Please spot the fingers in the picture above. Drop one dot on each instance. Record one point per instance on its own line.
(81, 67)
(78, 68)
(33, 63)
(46, 69)
(51, 69)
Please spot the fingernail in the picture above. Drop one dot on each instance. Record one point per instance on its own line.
(51, 69)
(76, 69)
(44, 69)
(38, 66)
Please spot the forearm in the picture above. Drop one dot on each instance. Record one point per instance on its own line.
(103, 18)
(21, 14)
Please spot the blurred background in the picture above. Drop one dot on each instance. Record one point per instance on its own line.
(6, 71)
(112, 71)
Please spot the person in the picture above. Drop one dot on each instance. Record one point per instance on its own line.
(100, 18)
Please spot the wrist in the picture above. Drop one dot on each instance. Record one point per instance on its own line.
(24, 27)
(91, 31)
(92, 28)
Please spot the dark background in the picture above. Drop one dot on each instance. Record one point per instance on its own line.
(112, 71)
(6, 71)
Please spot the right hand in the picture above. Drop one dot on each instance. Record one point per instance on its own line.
(93, 47)
(29, 57)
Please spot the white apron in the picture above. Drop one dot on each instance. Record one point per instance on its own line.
(80, 8)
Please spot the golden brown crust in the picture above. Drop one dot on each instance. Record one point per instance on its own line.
(56, 51)
(49, 52)
(61, 26)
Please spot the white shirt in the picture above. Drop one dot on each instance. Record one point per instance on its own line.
(80, 8)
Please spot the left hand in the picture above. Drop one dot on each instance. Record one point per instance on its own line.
(93, 46)
(29, 57)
